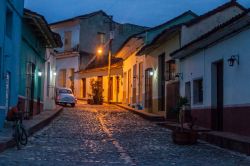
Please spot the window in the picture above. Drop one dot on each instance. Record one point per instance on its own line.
(101, 38)
(65, 91)
(170, 70)
(198, 91)
(9, 23)
(67, 40)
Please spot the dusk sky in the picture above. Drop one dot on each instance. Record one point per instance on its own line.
(142, 12)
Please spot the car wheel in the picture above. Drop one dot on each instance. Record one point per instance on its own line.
(73, 105)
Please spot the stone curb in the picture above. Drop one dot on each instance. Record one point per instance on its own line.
(145, 116)
(225, 142)
(11, 143)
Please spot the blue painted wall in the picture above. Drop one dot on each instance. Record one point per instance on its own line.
(32, 51)
(9, 53)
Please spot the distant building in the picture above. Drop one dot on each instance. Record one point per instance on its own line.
(10, 37)
(82, 36)
(144, 67)
(37, 37)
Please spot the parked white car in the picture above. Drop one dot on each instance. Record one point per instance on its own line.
(65, 96)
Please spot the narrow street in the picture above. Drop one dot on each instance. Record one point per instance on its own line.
(108, 135)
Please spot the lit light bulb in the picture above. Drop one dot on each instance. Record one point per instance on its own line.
(39, 74)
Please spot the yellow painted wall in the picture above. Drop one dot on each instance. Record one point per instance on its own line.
(151, 60)
(128, 65)
(93, 75)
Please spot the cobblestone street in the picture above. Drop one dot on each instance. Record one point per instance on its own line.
(108, 135)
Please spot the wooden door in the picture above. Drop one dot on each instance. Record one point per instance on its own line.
(110, 92)
(219, 110)
(117, 88)
(161, 82)
(140, 81)
(129, 86)
(148, 89)
(134, 84)
(83, 87)
(172, 99)
(125, 88)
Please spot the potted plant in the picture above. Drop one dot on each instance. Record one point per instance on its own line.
(96, 87)
(183, 136)
(90, 100)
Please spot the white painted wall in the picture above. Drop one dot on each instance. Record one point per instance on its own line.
(193, 32)
(67, 63)
(152, 62)
(49, 99)
(236, 78)
(73, 26)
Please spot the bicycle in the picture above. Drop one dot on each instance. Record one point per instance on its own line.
(20, 134)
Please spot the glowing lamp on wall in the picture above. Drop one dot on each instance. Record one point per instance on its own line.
(151, 73)
(39, 74)
(54, 73)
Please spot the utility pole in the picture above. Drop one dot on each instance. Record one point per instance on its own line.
(111, 37)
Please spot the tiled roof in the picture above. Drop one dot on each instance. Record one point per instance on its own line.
(208, 34)
(80, 16)
(42, 30)
(99, 62)
(216, 10)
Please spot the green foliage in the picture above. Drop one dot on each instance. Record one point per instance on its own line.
(182, 101)
(97, 91)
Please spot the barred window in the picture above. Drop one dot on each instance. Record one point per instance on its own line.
(170, 70)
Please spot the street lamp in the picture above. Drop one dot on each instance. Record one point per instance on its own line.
(99, 50)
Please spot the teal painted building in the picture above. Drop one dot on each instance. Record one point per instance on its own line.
(10, 37)
(36, 38)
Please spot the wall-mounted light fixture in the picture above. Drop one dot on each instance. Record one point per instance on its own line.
(179, 75)
(39, 73)
(54, 73)
(151, 73)
(233, 59)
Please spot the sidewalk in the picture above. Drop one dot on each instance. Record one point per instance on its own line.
(142, 113)
(225, 140)
(33, 125)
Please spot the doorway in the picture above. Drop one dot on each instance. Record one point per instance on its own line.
(110, 93)
(161, 82)
(30, 81)
(148, 89)
(129, 86)
(134, 83)
(217, 96)
(125, 88)
(83, 87)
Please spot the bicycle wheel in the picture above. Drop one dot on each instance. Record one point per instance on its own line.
(23, 138)
(16, 136)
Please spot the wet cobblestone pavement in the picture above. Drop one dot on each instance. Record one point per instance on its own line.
(108, 135)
